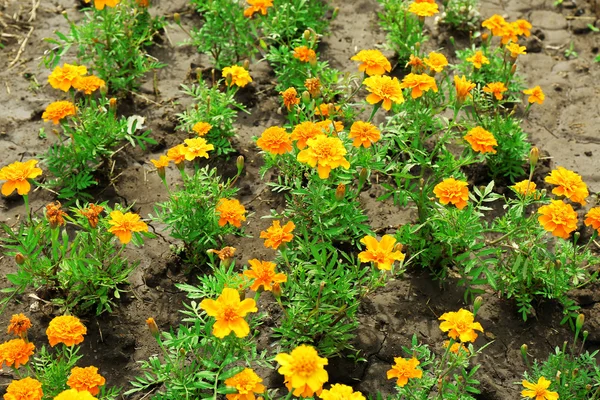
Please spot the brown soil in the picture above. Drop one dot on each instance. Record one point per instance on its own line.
(566, 126)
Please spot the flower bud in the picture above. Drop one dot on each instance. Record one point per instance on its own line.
(485, 36)
(362, 176)
(104, 90)
(477, 304)
(576, 236)
(588, 387)
(524, 352)
(239, 163)
(306, 35)
(513, 69)
(161, 172)
(229, 79)
(398, 247)
(313, 61)
(585, 335)
(534, 156)
(112, 104)
(263, 44)
(277, 290)
(579, 322)
(153, 327)
(246, 64)
(331, 109)
(558, 374)
(335, 13)
(19, 259)
(340, 192)
(177, 18)
(305, 97)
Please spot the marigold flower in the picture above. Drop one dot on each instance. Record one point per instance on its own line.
(325, 153)
(65, 329)
(456, 347)
(229, 313)
(197, 147)
(86, 379)
(373, 62)
(290, 98)
(303, 371)
(142, 3)
(162, 162)
(424, 9)
(452, 191)
(559, 218)
(257, 6)
(19, 324)
(247, 383)
(496, 24)
(496, 89)
(525, 188)
(463, 88)
(92, 213)
(304, 54)
(16, 176)
(201, 128)
(436, 61)
(123, 225)
(385, 89)
(481, 140)
(478, 59)
(328, 126)
(416, 64)
(275, 140)
(341, 392)
(63, 77)
(461, 325)
(55, 215)
(418, 83)
(313, 85)
(177, 153)
(405, 369)
(230, 211)
(515, 49)
(276, 234)
(24, 389)
(523, 27)
(73, 394)
(327, 109)
(58, 110)
(364, 134)
(536, 95)
(225, 254)
(303, 132)
(569, 184)
(263, 273)
(538, 390)
(239, 75)
(88, 84)
(100, 4)
(593, 218)
(381, 253)
(15, 352)
(509, 33)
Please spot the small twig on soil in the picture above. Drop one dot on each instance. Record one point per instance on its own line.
(100, 331)
(145, 98)
(21, 48)
(34, 6)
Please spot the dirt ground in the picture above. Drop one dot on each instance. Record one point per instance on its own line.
(566, 127)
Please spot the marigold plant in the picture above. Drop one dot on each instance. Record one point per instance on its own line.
(418, 83)
(275, 140)
(19, 325)
(592, 218)
(124, 225)
(86, 379)
(538, 390)
(341, 392)
(496, 89)
(15, 353)
(62, 78)
(24, 389)
(59, 110)
(247, 383)
(460, 325)
(536, 95)
(325, 153)
(478, 59)
(236, 75)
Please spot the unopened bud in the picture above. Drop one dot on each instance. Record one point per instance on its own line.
(246, 64)
(340, 192)
(576, 236)
(398, 247)
(104, 90)
(263, 44)
(161, 172)
(575, 372)
(485, 36)
(207, 104)
(19, 259)
(579, 322)
(558, 374)
(513, 69)
(277, 290)
(313, 61)
(585, 335)
(524, 352)
(153, 327)
(229, 79)
(112, 104)
(336, 11)
(306, 35)
(477, 304)
(588, 387)
(331, 109)
(362, 176)
(305, 97)
(239, 163)
(534, 156)
(177, 18)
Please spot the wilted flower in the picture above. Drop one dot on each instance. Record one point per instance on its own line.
(325, 153)
(290, 98)
(460, 325)
(230, 211)
(384, 89)
(247, 384)
(364, 134)
(463, 87)
(123, 225)
(304, 131)
(151, 323)
(225, 254)
(263, 273)
(304, 54)
(538, 390)
(58, 110)
(416, 64)
(478, 59)
(63, 77)
(303, 371)
(19, 324)
(381, 253)
(559, 218)
(24, 389)
(16, 176)
(257, 6)
(569, 184)
(418, 83)
(229, 313)
(341, 392)
(201, 128)
(239, 75)
(405, 369)
(197, 147)
(86, 379)
(55, 215)
(313, 85)
(92, 213)
(88, 84)
(481, 140)
(436, 61)
(373, 62)
(276, 235)
(15, 352)
(452, 191)
(496, 89)
(536, 95)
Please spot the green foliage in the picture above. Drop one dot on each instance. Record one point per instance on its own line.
(288, 19)
(462, 15)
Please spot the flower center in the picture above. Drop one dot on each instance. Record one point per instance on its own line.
(305, 367)
(230, 313)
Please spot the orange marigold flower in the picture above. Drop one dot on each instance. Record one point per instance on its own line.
(405, 369)
(436, 61)
(523, 27)
(231, 211)
(72, 394)
(100, 4)
(423, 9)
(275, 140)
(373, 62)
(88, 84)
(16, 176)
(239, 75)
(416, 64)
(325, 153)
(496, 24)
(24, 389)
(19, 324)
(569, 185)
(63, 77)
(229, 313)
(201, 128)
(55, 215)
(247, 384)
(65, 329)
(525, 188)
(177, 153)
(452, 191)
(384, 89)
(123, 225)
(481, 140)
(162, 162)
(496, 89)
(341, 392)
(538, 390)
(58, 110)
(381, 253)
(142, 3)
(313, 85)
(460, 325)
(276, 234)
(197, 147)
(536, 95)
(456, 347)
(225, 254)
(86, 379)
(478, 59)
(305, 131)
(257, 6)
(263, 273)
(327, 109)
(593, 218)
(364, 134)
(92, 213)
(463, 87)
(304, 54)
(515, 49)
(290, 98)
(303, 371)
(15, 352)
(328, 126)
(559, 218)
(509, 33)
(418, 83)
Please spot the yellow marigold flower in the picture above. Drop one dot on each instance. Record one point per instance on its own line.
(123, 225)
(536, 95)
(452, 191)
(325, 153)
(523, 27)
(481, 140)
(538, 390)
(100, 4)
(275, 140)
(15, 352)
(229, 313)
(86, 379)
(456, 347)
(509, 33)
(162, 162)
(303, 370)
(593, 218)
(328, 126)
(364, 134)
(16, 176)
(24, 389)
(463, 87)
(63, 77)
(436, 61)
(569, 185)
(197, 147)
(177, 154)
(55, 215)
(263, 273)
(496, 89)
(303, 132)
(341, 392)
(226, 253)
(515, 49)
(247, 384)
(88, 84)
(65, 329)
(496, 24)
(478, 59)
(257, 6)
(327, 110)
(276, 234)
(525, 188)
(304, 54)
(92, 213)
(384, 89)
(373, 62)
(423, 9)
(73, 394)
(381, 253)
(201, 128)
(460, 325)
(58, 110)
(290, 98)
(19, 324)
(405, 369)
(313, 85)
(559, 218)
(231, 211)
(239, 75)
(416, 64)
(418, 83)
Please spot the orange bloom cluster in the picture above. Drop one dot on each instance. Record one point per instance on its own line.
(16, 176)
(508, 31)
(247, 383)
(423, 9)
(58, 110)
(290, 98)
(263, 273)
(65, 329)
(303, 371)
(201, 128)
(460, 325)
(15, 352)
(327, 109)
(325, 153)
(92, 213)
(18, 325)
(463, 88)
(229, 313)
(230, 211)
(405, 369)
(592, 218)
(559, 218)
(341, 392)
(381, 253)
(305, 54)
(123, 225)
(24, 389)
(452, 191)
(418, 83)
(536, 95)
(86, 379)
(569, 184)
(275, 140)
(100, 4)
(496, 89)
(257, 6)
(236, 75)
(478, 59)
(481, 140)
(303, 132)
(384, 89)
(364, 134)
(436, 61)
(62, 78)
(55, 215)
(276, 235)
(373, 62)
